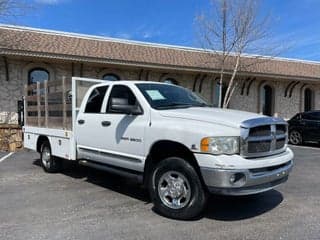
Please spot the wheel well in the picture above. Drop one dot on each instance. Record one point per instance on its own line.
(164, 149)
(41, 140)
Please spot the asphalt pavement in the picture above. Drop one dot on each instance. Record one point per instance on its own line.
(83, 203)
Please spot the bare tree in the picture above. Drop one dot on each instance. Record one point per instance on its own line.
(231, 29)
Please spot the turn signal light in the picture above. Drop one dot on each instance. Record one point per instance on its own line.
(204, 146)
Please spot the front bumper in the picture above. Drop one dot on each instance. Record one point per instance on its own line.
(245, 181)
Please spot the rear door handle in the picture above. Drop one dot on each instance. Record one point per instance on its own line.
(81, 121)
(105, 123)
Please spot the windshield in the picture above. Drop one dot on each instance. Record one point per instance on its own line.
(166, 96)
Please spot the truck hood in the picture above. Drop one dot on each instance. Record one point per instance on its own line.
(226, 117)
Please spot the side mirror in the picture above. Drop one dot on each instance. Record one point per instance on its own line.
(121, 105)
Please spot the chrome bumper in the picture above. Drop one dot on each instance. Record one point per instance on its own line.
(245, 182)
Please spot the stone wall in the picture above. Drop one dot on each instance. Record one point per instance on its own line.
(284, 106)
(10, 137)
(10, 92)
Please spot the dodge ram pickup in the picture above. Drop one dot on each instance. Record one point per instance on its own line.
(162, 135)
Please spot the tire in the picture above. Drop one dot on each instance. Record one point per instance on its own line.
(48, 162)
(176, 190)
(295, 137)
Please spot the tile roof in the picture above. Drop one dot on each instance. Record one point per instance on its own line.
(45, 43)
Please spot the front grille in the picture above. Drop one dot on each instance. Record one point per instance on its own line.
(263, 137)
(281, 129)
(260, 131)
(261, 146)
(280, 143)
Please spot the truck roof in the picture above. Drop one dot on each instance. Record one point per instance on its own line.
(130, 82)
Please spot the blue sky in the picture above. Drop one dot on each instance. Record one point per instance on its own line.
(295, 23)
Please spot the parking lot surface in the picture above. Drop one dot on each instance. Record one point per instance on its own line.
(83, 203)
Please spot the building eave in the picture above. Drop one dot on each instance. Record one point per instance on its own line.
(91, 60)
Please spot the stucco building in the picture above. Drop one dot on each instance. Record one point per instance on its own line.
(280, 87)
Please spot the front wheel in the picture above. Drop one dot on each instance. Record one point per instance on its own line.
(176, 190)
(49, 163)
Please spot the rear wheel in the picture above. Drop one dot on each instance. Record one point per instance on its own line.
(49, 163)
(295, 137)
(176, 190)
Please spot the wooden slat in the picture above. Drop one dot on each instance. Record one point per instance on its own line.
(32, 121)
(69, 123)
(31, 98)
(55, 94)
(58, 83)
(55, 98)
(42, 121)
(34, 108)
(38, 103)
(64, 108)
(53, 83)
(50, 107)
(55, 122)
(59, 107)
(31, 87)
(46, 114)
(25, 103)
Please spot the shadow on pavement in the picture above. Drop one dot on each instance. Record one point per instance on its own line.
(227, 208)
(222, 208)
(104, 179)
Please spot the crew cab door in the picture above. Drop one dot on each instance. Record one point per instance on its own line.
(88, 126)
(126, 131)
(114, 137)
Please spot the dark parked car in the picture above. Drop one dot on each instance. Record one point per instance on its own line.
(305, 127)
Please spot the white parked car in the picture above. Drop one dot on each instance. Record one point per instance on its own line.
(164, 136)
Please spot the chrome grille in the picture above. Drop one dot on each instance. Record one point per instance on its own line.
(263, 137)
(261, 146)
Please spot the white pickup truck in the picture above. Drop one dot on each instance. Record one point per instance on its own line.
(162, 135)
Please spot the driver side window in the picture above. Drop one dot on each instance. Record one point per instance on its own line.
(125, 94)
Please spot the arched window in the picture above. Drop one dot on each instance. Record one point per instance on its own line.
(266, 100)
(217, 94)
(308, 99)
(171, 81)
(111, 77)
(38, 75)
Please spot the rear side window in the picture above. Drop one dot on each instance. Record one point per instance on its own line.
(95, 100)
(313, 116)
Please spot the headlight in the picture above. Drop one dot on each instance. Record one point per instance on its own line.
(220, 145)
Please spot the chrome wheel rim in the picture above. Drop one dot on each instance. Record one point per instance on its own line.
(295, 137)
(46, 157)
(174, 190)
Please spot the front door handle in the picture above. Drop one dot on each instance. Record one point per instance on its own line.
(81, 121)
(105, 123)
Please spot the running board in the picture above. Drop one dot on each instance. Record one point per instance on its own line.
(136, 176)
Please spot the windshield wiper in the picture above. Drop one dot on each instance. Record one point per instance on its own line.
(175, 105)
